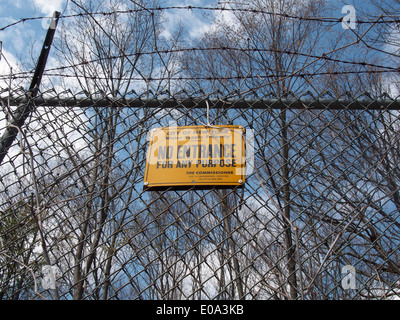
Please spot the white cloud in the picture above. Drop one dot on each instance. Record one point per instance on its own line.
(48, 7)
(194, 25)
(196, 22)
(7, 62)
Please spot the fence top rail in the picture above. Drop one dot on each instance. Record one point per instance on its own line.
(167, 103)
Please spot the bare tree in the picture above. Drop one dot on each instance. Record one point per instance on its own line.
(106, 56)
(283, 46)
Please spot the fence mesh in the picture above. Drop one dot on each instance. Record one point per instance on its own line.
(318, 216)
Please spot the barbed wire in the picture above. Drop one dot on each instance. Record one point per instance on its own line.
(217, 78)
(383, 18)
(380, 68)
(374, 68)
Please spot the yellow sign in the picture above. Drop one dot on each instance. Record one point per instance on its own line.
(199, 156)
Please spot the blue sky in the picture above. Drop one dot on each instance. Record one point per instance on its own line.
(18, 40)
(22, 42)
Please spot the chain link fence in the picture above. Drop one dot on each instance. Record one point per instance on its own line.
(318, 216)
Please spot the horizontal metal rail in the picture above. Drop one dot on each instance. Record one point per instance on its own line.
(168, 103)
